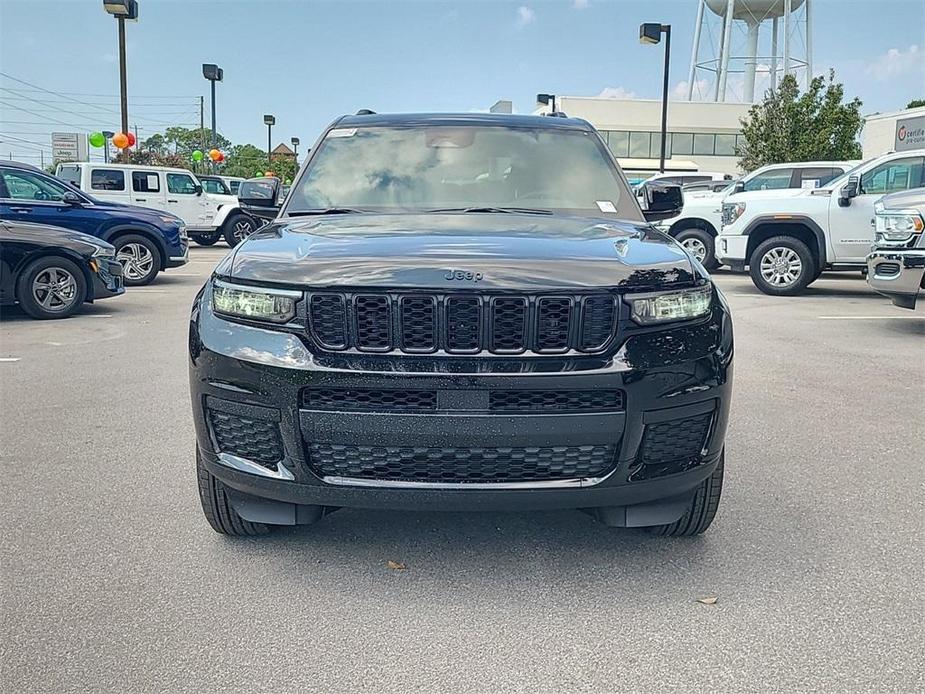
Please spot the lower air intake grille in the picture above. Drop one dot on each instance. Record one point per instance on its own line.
(253, 439)
(677, 439)
(541, 401)
(887, 269)
(421, 464)
(366, 400)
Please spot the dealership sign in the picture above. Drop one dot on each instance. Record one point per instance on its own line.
(910, 133)
(69, 146)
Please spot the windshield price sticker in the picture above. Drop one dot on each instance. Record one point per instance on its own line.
(606, 206)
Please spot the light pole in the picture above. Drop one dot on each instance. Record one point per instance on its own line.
(108, 135)
(651, 32)
(122, 10)
(548, 99)
(214, 74)
(270, 121)
(295, 152)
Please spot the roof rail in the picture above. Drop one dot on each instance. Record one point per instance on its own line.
(366, 112)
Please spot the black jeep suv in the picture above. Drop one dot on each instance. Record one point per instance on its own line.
(459, 312)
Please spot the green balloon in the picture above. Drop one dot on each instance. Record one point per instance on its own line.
(197, 155)
(259, 174)
(97, 139)
(288, 181)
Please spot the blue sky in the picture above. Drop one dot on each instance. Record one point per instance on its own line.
(307, 62)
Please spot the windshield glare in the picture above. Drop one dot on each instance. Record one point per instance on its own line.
(438, 167)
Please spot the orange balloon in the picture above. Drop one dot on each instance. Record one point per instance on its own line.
(214, 154)
(120, 140)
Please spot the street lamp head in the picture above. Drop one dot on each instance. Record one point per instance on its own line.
(295, 142)
(212, 72)
(269, 120)
(545, 98)
(650, 32)
(108, 134)
(126, 9)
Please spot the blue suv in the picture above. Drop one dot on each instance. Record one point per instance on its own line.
(147, 241)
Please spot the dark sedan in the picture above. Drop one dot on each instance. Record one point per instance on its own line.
(51, 272)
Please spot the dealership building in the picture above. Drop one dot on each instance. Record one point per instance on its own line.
(893, 132)
(702, 136)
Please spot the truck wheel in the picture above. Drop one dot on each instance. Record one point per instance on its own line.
(700, 244)
(51, 287)
(141, 261)
(702, 510)
(220, 514)
(237, 228)
(782, 266)
(208, 239)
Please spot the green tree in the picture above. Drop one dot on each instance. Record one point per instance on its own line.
(789, 126)
(916, 103)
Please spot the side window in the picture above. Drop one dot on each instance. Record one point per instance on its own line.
(892, 176)
(770, 180)
(146, 182)
(180, 184)
(107, 179)
(26, 185)
(815, 177)
(71, 174)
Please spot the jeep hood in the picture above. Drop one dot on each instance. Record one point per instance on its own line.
(460, 251)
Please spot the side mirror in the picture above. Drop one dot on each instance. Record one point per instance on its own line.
(739, 187)
(848, 191)
(198, 188)
(660, 200)
(260, 197)
(71, 198)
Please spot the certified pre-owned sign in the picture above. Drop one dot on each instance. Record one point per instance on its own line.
(910, 133)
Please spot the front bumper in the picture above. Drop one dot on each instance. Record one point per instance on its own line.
(731, 250)
(107, 278)
(897, 274)
(671, 374)
(182, 258)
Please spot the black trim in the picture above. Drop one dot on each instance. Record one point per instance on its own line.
(793, 219)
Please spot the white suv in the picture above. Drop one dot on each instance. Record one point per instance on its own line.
(787, 238)
(701, 218)
(208, 216)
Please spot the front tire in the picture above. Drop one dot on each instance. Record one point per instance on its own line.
(700, 244)
(140, 259)
(51, 287)
(218, 511)
(702, 510)
(208, 239)
(782, 266)
(237, 228)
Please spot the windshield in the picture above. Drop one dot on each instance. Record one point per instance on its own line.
(215, 186)
(449, 167)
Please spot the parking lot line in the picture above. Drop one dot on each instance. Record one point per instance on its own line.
(9, 358)
(870, 317)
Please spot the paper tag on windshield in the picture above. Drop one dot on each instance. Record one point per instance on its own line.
(343, 132)
(606, 206)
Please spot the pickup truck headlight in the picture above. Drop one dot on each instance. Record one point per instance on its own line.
(732, 211)
(661, 307)
(898, 225)
(254, 303)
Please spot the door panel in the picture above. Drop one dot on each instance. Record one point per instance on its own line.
(30, 196)
(183, 201)
(148, 189)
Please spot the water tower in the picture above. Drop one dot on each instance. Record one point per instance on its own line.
(730, 41)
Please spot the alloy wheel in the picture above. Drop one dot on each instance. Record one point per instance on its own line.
(54, 289)
(242, 229)
(781, 266)
(695, 247)
(137, 261)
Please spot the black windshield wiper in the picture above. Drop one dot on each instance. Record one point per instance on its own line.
(325, 210)
(493, 210)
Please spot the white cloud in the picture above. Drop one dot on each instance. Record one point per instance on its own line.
(579, 4)
(616, 93)
(525, 16)
(897, 62)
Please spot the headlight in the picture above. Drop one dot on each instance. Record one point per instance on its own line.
(732, 211)
(104, 252)
(662, 307)
(256, 303)
(897, 225)
(170, 219)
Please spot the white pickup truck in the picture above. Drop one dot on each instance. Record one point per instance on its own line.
(789, 238)
(701, 218)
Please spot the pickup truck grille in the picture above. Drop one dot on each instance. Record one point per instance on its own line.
(424, 323)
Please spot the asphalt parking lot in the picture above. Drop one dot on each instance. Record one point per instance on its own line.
(113, 581)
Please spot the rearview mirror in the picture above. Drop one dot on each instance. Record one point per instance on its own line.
(260, 197)
(660, 200)
(739, 187)
(848, 191)
(71, 198)
(198, 188)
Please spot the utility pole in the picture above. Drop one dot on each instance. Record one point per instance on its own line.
(202, 129)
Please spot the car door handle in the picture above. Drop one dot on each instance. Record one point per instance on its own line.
(20, 209)
(169, 200)
(141, 199)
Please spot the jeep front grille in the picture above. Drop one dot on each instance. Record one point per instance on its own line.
(424, 323)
